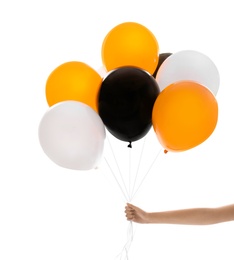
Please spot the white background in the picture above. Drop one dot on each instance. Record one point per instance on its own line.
(48, 212)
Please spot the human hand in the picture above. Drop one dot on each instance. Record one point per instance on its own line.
(136, 214)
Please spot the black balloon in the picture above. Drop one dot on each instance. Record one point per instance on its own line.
(162, 58)
(125, 102)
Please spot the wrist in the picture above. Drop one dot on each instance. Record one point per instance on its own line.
(149, 218)
(152, 217)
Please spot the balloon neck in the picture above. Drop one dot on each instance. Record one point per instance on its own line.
(130, 145)
(165, 151)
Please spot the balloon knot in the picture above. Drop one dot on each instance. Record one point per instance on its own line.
(130, 145)
(165, 151)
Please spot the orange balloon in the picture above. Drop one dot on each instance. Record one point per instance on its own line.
(130, 44)
(73, 81)
(184, 115)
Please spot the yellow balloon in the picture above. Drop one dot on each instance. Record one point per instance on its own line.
(73, 81)
(130, 44)
(184, 115)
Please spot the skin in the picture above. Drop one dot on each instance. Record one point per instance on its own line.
(192, 216)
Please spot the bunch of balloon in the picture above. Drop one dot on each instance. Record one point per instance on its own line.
(136, 89)
(71, 132)
(185, 113)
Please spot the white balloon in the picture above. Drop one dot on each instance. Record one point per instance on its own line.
(189, 65)
(72, 135)
(102, 71)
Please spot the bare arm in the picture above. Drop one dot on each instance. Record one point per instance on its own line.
(193, 216)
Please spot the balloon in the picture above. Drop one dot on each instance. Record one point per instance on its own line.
(130, 44)
(102, 72)
(73, 81)
(72, 135)
(189, 65)
(162, 58)
(126, 100)
(184, 115)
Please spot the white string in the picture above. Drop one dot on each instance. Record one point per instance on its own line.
(129, 173)
(147, 172)
(129, 193)
(123, 255)
(116, 180)
(120, 173)
(138, 168)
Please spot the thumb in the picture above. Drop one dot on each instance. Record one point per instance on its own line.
(132, 206)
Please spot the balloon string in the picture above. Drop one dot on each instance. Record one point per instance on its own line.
(120, 173)
(116, 180)
(123, 255)
(138, 167)
(160, 151)
(129, 173)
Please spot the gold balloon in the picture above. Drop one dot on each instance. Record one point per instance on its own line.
(73, 81)
(130, 44)
(184, 115)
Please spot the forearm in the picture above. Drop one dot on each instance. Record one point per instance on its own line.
(196, 216)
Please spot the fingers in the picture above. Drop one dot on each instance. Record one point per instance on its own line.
(130, 217)
(129, 207)
(132, 206)
(130, 213)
